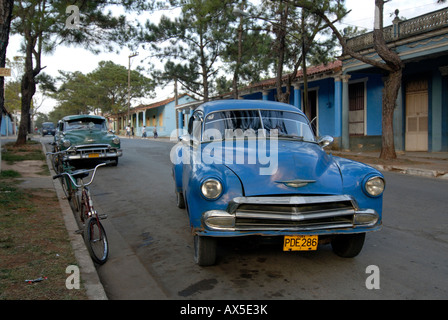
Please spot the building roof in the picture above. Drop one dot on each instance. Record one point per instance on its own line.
(322, 69)
(231, 104)
(158, 103)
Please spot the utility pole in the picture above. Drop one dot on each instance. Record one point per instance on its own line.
(132, 55)
(176, 103)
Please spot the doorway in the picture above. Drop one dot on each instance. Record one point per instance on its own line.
(416, 138)
(311, 110)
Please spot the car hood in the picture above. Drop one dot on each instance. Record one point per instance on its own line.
(79, 137)
(291, 167)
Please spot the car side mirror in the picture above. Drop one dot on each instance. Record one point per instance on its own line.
(325, 141)
(187, 140)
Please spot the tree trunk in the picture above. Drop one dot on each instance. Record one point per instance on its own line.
(238, 61)
(280, 47)
(28, 89)
(390, 93)
(391, 86)
(5, 23)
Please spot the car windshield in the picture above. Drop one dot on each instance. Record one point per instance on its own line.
(86, 124)
(48, 125)
(227, 124)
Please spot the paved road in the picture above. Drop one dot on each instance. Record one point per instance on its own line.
(152, 253)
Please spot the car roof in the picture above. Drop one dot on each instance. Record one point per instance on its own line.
(220, 105)
(81, 116)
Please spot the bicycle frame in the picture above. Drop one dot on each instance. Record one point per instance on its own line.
(83, 187)
(92, 229)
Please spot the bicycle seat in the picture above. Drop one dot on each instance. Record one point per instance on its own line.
(79, 174)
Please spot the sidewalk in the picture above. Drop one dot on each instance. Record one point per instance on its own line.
(425, 164)
(32, 180)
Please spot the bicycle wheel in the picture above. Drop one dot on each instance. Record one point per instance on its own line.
(96, 240)
(66, 186)
(55, 163)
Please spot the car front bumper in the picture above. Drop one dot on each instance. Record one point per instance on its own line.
(290, 215)
(92, 151)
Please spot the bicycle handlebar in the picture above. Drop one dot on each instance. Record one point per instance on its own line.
(81, 171)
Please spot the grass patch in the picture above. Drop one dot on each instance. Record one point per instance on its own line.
(34, 242)
(32, 150)
(5, 174)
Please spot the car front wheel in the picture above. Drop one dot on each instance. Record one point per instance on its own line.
(204, 250)
(348, 245)
(180, 202)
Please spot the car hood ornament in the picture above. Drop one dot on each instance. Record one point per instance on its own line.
(296, 183)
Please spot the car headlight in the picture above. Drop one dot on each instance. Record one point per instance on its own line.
(116, 140)
(66, 143)
(374, 186)
(211, 189)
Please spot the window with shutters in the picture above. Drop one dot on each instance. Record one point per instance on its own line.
(356, 94)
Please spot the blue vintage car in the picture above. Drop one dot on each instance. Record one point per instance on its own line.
(249, 167)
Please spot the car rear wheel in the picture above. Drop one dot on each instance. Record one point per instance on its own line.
(348, 245)
(204, 250)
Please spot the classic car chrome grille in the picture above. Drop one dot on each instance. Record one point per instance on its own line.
(87, 150)
(293, 213)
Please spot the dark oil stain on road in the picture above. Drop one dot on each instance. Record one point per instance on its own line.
(203, 285)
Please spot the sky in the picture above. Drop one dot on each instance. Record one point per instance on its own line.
(77, 59)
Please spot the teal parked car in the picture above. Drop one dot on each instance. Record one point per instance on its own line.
(87, 137)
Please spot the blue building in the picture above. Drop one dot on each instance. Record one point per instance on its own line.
(345, 97)
(421, 113)
(161, 115)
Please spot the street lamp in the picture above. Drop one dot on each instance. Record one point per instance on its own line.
(132, 55)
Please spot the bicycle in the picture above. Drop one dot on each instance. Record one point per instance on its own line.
(61, 164)
(93, 231)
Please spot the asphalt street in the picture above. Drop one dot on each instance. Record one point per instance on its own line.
(151, 253)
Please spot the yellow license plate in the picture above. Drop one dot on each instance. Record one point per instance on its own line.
(300, 243)
(94, 155)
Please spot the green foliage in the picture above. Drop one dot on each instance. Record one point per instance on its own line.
(105, 90)
(191, 44)
(43, 26)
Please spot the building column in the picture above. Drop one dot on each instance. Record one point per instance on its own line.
(265, 94)
(136, 123)
(338, 109)
(345, 110)
(180, 119)
(297, 101)
(398, 123)
(435, 113)
(444, 73)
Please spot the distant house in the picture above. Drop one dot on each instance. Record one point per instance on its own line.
(162, 115)
(6, 123)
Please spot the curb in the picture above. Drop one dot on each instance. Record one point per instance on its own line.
(411, 171)
(89, 274)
